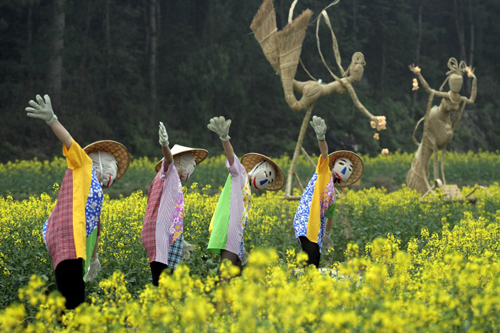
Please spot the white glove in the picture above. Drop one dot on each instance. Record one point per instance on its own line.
(163, 135)
(94, 268)
(42, 110)
(245, 256)
(327, 241)
(319, 127)
(186, 248)
(220, 126)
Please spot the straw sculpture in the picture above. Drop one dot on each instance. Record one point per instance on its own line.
(283, 48)
(438, 125)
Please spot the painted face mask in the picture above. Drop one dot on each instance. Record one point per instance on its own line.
(262, 175)
(342, 169)
(106, 165)
(185, 165)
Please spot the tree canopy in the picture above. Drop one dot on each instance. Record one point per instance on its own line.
(126, 65)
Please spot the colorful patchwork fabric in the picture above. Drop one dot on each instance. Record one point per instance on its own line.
(72, 228)
(231, 214)
(318, 197)
(164, 214)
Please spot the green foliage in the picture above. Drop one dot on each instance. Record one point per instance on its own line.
(208, 64)
(23, 179)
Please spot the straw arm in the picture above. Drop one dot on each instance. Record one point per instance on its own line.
(167, 154)
(473, 92)
(424, 83)
(62, 134)
(228, 149)
(358, 104)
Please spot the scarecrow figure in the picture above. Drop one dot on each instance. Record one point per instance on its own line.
(162, 231)
(231, 214)
(438, 126)
(283, 48)
(71, 233)
(314, 217)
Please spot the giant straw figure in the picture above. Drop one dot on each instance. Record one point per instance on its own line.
(438, 126)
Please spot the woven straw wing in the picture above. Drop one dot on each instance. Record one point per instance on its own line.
(199, 154)
(265, 31)
(251, 159)
(290, 46)
(114, 148)
(357, 166)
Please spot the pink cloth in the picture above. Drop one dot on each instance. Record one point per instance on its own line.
(164, 214)
(327, 197)
(235, 228)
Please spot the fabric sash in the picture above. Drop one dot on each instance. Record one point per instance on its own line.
(219, 224)
(314, 224)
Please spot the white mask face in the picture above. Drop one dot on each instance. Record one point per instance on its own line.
(262, 175)
(185, 165)
(107, 167)
(342, 169)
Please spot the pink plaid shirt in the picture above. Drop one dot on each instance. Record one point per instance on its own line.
(164, 214)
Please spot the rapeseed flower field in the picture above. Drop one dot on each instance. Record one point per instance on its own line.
(22, 179)
(398, 265)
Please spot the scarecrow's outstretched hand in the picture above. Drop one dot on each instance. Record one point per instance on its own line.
(186, 250)
(42, 109)
(94, 268)
(163, 135)
(319, 127)
(327, 241)
(220, 126)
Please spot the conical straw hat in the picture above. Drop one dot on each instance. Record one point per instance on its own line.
(357, 166)
(199, 154)
(251, 159)
(114, 148)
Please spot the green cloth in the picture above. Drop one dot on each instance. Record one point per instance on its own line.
(91, 240)
(220, 220)
(331, 211)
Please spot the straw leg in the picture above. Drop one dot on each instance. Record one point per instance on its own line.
(442, 164)
(435, 152)
(291, 171)
(417, 177)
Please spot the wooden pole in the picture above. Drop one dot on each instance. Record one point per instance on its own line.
(308, 157)
(291, 171)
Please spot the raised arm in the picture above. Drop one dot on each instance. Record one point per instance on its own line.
(417, 71)
(221, 126)
(474, 90)
(320, 128)
(42, 109)
(167, 154)
(356, 101)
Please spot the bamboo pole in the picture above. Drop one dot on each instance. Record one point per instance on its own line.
(308, 157)
(291, 171)
(299, 182)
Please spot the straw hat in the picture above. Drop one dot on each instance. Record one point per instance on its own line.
(357, 166)
(251, 159)
(114, 148)
(199, 154)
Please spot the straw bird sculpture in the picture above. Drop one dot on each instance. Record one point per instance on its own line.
(438, 125)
